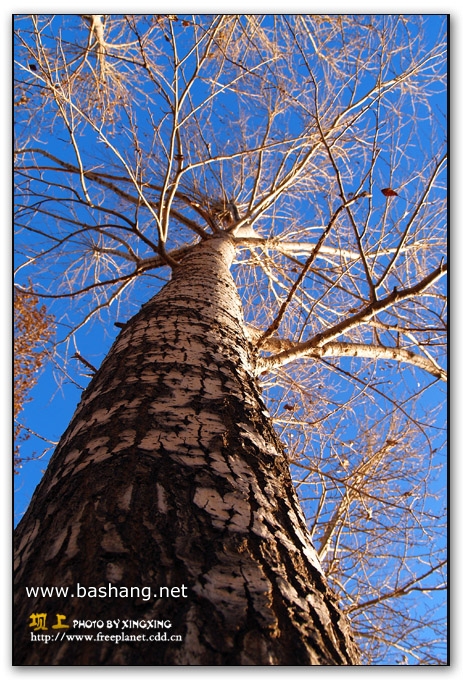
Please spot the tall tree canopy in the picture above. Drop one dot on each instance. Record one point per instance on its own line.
(139, 136)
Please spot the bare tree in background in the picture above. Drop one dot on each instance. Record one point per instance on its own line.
(33, 330)
(307, 153)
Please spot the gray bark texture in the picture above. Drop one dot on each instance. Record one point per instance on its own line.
(170, 475)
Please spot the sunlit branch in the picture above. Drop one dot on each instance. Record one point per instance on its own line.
(346, 349)
(413, 217)
(401, 590)
(344, 481)
(276, 322)
(85, 289)
(360, 318)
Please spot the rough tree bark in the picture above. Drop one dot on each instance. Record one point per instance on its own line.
(171, 475)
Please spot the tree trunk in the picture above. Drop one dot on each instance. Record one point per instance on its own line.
(169, 502)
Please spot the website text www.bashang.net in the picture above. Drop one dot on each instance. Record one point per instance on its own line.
(145, 592)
